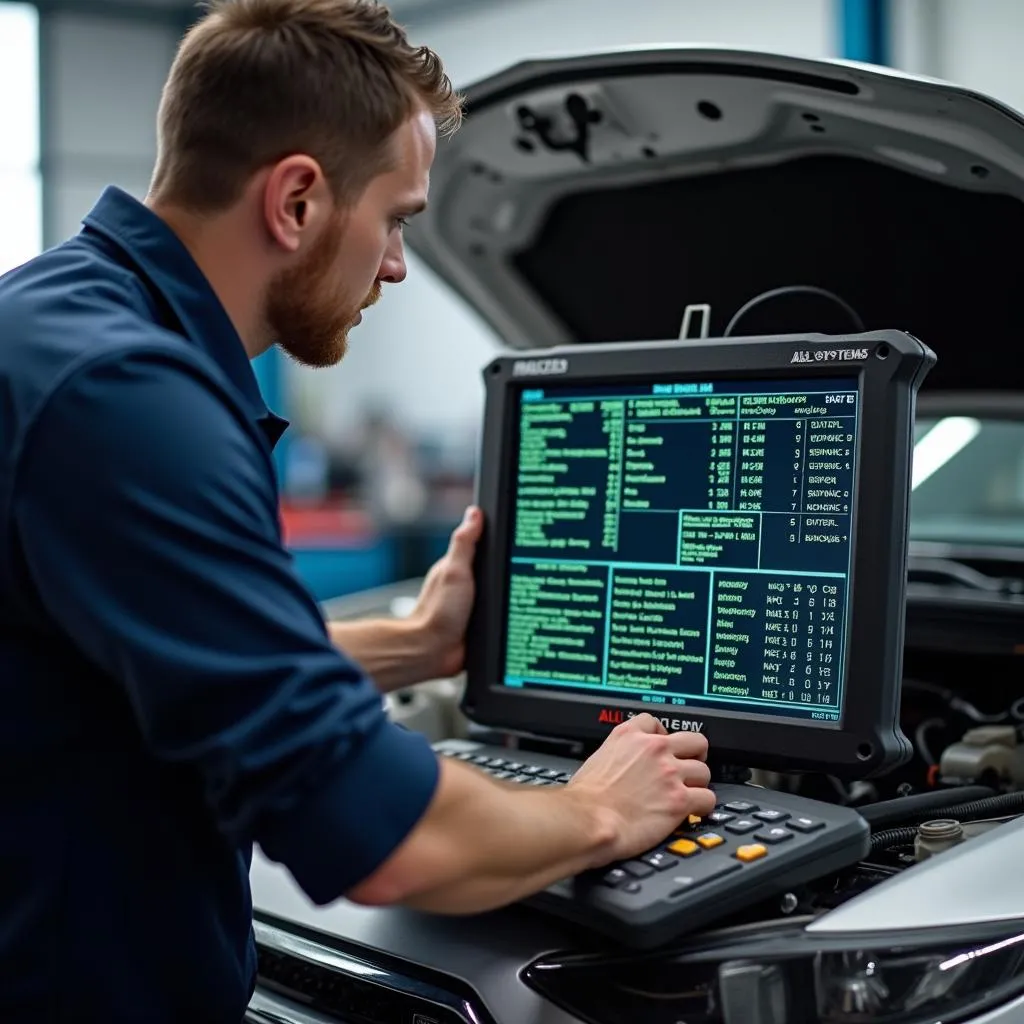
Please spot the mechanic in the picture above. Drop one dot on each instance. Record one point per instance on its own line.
(171, 692)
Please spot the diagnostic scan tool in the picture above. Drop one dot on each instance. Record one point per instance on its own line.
(713, 532)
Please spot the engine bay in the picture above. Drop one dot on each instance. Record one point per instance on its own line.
(966, 777)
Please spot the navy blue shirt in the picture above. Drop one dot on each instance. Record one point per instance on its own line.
(169, 692)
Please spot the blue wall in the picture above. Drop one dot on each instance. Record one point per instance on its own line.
(335, 572)
(864, 30)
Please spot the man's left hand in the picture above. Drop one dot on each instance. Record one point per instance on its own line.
(446, 600)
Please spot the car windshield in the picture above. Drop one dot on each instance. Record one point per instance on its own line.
(968, 481)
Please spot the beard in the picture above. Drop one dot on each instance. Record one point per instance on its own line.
(308, 316)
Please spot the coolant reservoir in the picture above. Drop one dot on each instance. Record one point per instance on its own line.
(944, 833)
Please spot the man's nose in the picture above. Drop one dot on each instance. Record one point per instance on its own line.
(392, 268)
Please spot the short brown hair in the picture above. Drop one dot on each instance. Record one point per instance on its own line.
(255, 81)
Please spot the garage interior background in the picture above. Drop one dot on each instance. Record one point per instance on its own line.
(380, 460)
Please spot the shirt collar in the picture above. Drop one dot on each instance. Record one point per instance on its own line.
(169, 267)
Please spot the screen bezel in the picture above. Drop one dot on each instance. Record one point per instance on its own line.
(889, 367)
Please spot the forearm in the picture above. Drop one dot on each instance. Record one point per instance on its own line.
(476, 894)
(391, 651)
(485, 844)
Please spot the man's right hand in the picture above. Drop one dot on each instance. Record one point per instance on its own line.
(648, 780)
(483, 843)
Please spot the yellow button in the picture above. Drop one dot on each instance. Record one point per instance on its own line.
(684, 847)
(693, 819)
(754, 851)
(710, 840)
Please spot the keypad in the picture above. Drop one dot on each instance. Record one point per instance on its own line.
(514, 771)
(745, 833)
(736, 836)
(695, 853)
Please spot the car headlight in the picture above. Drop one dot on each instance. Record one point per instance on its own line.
(784, 975)
(907, 986)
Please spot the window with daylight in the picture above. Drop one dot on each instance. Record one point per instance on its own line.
(21, 215)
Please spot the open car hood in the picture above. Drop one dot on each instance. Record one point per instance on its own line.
(598, 198)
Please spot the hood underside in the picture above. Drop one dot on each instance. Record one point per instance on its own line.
(598, 198)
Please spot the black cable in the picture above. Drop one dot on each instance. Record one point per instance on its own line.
(795, 289)
(921, 739)
(956, 703)
(990, 807)
(893, 837)
(993, 806)
(923, 805)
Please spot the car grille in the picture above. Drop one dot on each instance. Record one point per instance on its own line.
(355, 991)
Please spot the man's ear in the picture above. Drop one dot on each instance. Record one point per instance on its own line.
(296, 201)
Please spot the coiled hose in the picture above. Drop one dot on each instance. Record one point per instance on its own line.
(990, 807)
(920, 806)
(891, 837)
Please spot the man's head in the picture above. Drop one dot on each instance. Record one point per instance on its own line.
(302, 131)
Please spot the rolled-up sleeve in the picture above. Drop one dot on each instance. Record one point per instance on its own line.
(147, 516)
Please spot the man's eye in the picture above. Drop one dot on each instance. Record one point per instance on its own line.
(400, 222)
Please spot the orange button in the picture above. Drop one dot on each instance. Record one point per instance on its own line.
(693, 819)
(754, 851)
(684, 847)
(710, 840)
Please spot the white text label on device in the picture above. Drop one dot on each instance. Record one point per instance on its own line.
(539, 367)
(828, 355)
(675, 724)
